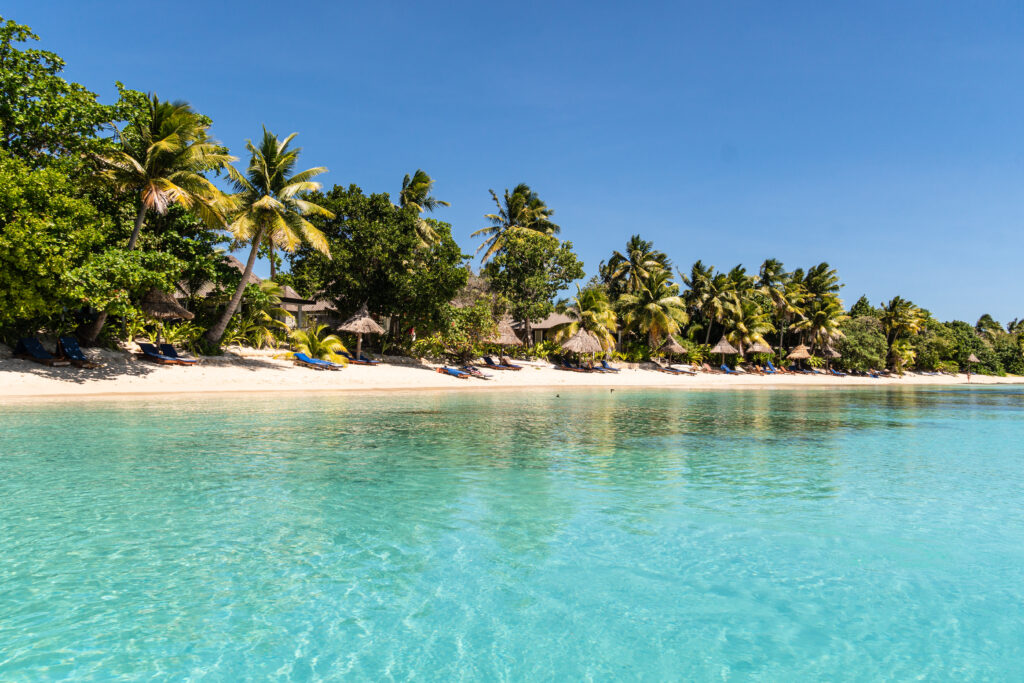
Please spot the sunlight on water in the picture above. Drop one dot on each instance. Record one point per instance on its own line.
(842, 535)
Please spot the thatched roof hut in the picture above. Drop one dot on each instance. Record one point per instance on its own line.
(759, 347)
(972, 359)
(584, 341)
(160, 305)
(799, 353)
(724, 347)
(829, 352)
(672, 346)
(505, 335)
(359, 324)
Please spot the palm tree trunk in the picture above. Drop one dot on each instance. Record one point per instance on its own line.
(216, 333)
(273, 270)
(93, 332)
(707, 335)
(140, 217)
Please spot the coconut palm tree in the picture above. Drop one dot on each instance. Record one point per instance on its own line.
(656, 309)
(162, 159)
(710, 293)
(590, 310)
(821, 280)
(315, 343)
(520, 209)
(746, 323)
(820, 322)
(268, 207)
(628, 271)
(900, 319)
(416, 193)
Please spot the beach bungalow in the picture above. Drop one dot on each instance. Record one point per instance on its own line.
(545, 329)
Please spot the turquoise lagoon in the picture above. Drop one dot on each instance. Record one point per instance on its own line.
(541, 535)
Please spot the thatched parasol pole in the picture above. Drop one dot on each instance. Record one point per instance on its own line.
(359, 324)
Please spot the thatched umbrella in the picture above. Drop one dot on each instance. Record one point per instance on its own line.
(505, 335)
(971, 359)
(671, 346)
(584, 341)
(759, 347)
(359, 324)
(799, 353)
(724, 347)
(159, 305)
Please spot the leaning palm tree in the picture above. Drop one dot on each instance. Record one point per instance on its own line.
(315, 343)
(162, 159)
(656, 309)
(821, 321)
(416, 193)
(746, 324)
(591, 311)
(900, 319)
(520, 209)
(628, 271)
(269, 208)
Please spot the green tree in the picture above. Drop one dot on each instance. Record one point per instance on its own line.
(270, 207)
(821, 321)
(590, 310)
(862, 345)
(863, 307)
(627, 271)
(529, 270)
(520, 209)
(901, 319)
(746, 323)
(656, 309)
(317, 343)
(415, 193)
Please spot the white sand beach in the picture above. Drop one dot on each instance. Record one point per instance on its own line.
(256, 371)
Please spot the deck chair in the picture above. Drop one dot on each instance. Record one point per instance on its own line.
(727, 370)
(315, 363)
(171, 352)
(68, 348)
(31, 349)
(453, 372)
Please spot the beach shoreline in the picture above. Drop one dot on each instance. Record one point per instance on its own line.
(125, 376)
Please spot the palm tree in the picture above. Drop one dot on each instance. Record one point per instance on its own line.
(711, 293)
(269, 208)
(627, 272)
(900, 319)
(656, 309)
(315, 344)
(416, 193)
(521, 209)
(821, 280)
(988, 327)
(786, 294)
(821, 320)
(163, 160)
(590, 310)
(746, 323)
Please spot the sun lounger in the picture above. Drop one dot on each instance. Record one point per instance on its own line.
(29, 348)
(563, 364)
(609, 368)
(491, 365)
(153, 354)
(69, 349)
(475, 372)
(666, 369)
(509, 365)
(836, 372)
(171, 352)
(710, 370)
(315, 363)
(771, 369)
(453, 372)
(727, 370)
(684, 370)
(363, 358)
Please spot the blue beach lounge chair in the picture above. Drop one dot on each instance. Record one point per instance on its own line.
(444, 370)
(315, 363)
(29, 348)
(355, 361)
(363, 358)
(836, 372)
(68, 348)
(489, 362)
(609, 368)
(772, 369)
(152, 354)
(727, 370)
(171, 352)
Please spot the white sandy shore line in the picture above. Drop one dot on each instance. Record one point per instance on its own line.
(259, 373)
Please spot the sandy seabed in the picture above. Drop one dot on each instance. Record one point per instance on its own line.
(260, 372)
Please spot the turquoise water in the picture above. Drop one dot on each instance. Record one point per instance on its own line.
(839, 535)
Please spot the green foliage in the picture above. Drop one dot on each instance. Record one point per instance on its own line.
(464, 335)
(816, 362)
(863, 307)
(655, 310)
(46, 231)
(590, 310)
(110, 280)
(862, 345)
(529, 270)
(520, 210)
(318, 343)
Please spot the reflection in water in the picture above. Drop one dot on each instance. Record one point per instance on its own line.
(773, 534)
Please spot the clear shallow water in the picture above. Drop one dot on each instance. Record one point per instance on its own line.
(842, 535)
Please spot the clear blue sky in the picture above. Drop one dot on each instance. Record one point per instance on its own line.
(885, 138)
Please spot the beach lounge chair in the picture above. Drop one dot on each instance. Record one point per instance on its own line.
(153, 354)
(772, 369)
(665, 368)
(710, 370)
(69, 349)
(609, 368)
(453, 372)
(29, 348)
(563, 364)
(171, 352)
(356, 361)
(363, 358)
(686, 370)
(491, 365)
(315, 363)
(836, 373)
(769, 370)
(727, 370)
(509, 365)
